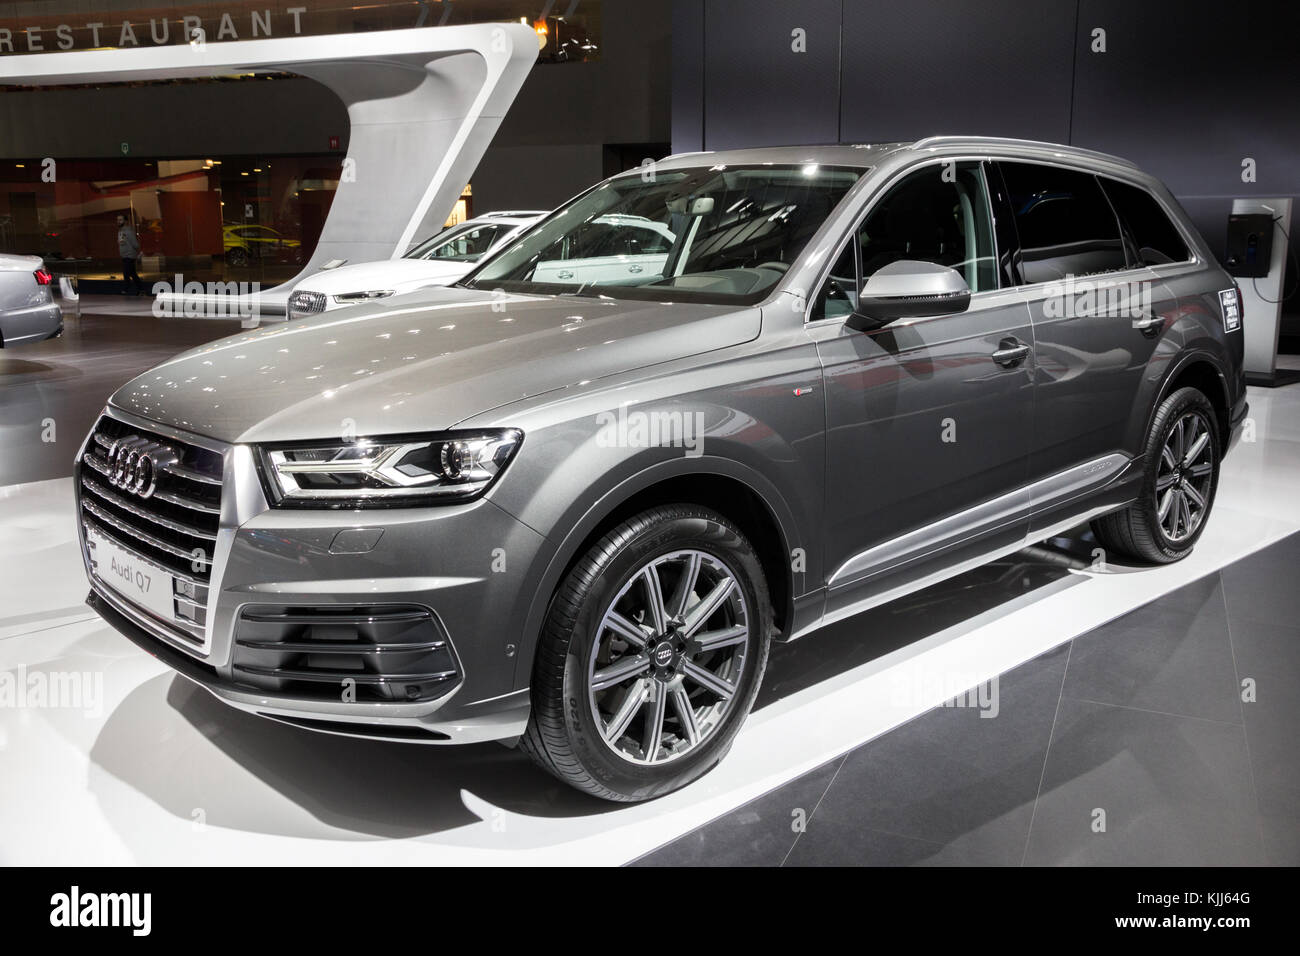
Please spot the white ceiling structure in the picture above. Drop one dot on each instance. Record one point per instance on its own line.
(423, 105)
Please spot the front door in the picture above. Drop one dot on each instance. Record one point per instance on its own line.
(928, 420)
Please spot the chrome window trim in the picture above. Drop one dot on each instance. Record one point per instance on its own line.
(1031, 290)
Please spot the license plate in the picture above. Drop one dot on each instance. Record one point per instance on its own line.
(132, 577)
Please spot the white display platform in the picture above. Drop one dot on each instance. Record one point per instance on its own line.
(160, 772)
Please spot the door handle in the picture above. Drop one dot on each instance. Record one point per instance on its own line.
(1149, 325)
(1010, 353)
(565, 274)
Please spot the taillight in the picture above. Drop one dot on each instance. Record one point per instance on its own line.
(43, 277)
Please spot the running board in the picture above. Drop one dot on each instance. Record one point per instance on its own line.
(952, 530)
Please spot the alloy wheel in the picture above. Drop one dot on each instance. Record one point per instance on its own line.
(668, 657)
(1184, 477)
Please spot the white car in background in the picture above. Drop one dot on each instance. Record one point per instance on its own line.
(441, 260)
(28, 312)
(612, 248)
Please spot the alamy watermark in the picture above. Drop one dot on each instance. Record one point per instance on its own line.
(53, 690)
(1083, 297)
(652, 429)
(955, 689)
(76, 908)
(207, 300)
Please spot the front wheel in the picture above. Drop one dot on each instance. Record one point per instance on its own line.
(1182, 475)
(651, 655)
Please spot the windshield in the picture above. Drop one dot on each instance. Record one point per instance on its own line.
(721, 234)
(463, 243)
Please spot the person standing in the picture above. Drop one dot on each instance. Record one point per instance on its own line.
(128, 246)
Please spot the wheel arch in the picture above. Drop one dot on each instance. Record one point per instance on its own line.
(1198, 370)
(740, 495)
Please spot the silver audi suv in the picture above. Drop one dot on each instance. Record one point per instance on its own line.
(570, 508)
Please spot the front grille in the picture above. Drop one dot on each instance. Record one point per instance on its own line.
(306, 303)
(174, 528)
(373, 653)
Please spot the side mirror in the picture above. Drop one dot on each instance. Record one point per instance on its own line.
(909, 289)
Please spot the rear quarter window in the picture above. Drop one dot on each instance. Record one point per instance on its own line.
(1155, 237)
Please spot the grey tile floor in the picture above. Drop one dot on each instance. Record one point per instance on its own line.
(1136, 743)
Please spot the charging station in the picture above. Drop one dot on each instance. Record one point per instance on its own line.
(1257, 256)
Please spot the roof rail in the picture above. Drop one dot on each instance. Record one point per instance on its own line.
(930, 141)
(502, 213)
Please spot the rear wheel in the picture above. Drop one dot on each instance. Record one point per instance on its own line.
(1182, 475)
(651, 655)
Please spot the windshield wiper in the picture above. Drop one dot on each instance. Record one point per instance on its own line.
(580, 291)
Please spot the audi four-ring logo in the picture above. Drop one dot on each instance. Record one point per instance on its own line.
(134, 463)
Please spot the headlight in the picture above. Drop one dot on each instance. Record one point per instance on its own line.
(386, 472)
(347, 298)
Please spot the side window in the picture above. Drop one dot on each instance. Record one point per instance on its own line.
(1154, 236)
(1065, 223)
(468, 243)
(647, 242)
(838, 295)
(480, 240)
(940, 214)
(593, 241)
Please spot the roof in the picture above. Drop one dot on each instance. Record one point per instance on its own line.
(869, 154)
(864, 155)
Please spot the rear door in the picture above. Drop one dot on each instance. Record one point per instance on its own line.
(1097, 312)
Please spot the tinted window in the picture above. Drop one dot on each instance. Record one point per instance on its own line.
(937, 214)
(1154, 236)
(1065, 223)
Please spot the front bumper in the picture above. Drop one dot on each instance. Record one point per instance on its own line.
(463, 563)
(504, 721)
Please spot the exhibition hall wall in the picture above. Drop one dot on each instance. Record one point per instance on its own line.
(1187, 89)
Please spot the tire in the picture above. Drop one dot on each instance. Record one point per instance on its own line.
(578, 707)
(237, 257)
(1142, 531)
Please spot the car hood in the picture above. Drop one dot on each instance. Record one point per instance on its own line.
(396, 274)
(419, 362)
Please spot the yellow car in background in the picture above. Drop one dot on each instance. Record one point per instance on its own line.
(244, 243)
